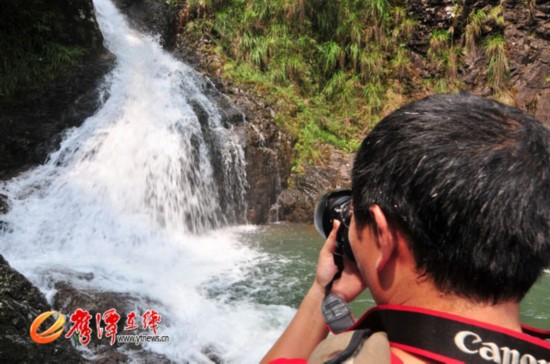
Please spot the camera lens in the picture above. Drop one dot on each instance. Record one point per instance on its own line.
(335, 205)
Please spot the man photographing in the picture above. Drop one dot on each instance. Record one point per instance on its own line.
(450, 228)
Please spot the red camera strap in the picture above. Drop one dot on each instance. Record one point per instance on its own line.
(448, 338)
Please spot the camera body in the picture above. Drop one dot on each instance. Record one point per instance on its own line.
(335, 205)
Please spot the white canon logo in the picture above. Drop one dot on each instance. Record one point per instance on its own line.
(471, 343)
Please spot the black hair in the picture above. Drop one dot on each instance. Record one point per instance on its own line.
(468, 179)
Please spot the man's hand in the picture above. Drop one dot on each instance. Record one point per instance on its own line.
(350, 284)
(308, 328)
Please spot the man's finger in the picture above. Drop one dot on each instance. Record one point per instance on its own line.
(330, 243)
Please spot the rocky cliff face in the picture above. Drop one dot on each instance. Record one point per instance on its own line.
(528, 42)
(526, 30)
(268, 149)
(31, 120)
(31, 123)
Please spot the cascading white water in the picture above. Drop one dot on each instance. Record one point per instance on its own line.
(130, 196)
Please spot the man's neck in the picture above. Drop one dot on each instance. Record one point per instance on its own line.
(505, 314)
(425, 295)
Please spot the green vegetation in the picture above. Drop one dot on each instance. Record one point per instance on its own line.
(330, 68)
(444, 58)
(28, 67)
(488, 25)
(497, 68)
(481, 23)
(333, 68)
(35, 44)
(476, 21)
(327, 66)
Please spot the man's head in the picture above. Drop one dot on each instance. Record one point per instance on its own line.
(468, 180)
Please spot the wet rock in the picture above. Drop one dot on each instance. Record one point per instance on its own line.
(4, 206)
(268, 149)
(262, 169)
(297, 204)
(213, 353)
(31, 126)
(68, 299)
(20, 304)
(269, 154)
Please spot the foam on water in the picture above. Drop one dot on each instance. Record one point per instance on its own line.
(130, 197)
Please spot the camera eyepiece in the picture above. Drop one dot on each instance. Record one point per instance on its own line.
(335, 205)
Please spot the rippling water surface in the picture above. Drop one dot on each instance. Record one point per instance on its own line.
(298, 246)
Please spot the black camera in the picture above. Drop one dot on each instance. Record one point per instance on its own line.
(335, 205)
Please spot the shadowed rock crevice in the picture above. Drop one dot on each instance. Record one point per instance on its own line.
(20, 304)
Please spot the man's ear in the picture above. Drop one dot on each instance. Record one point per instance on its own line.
(385, 239)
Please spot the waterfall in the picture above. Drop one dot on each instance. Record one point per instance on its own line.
(142, 198)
